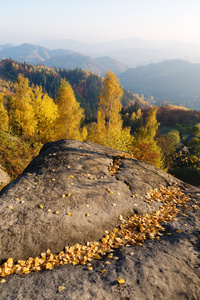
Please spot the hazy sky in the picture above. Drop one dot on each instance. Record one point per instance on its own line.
(90, 20)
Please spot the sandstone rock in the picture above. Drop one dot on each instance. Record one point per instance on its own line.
(4, 177)
(72, 176)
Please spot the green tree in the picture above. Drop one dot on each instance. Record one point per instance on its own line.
(194, 144)
(70, 113)
(174, 136)
(196, 129)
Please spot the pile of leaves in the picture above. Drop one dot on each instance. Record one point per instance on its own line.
(133, 231)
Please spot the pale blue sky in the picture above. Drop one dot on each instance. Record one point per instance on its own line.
(90, 20)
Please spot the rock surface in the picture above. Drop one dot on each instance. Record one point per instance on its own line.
(4, 177)
(72, 176)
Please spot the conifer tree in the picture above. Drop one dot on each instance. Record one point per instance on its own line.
(70, 113)
(3, 116)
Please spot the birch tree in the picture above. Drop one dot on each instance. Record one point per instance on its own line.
(70, 113)
(109, 126)
(22, 113)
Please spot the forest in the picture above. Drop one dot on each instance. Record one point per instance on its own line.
(172, 81)
(39, 104)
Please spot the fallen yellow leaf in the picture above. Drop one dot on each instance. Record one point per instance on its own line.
(3, 281)
(103, 271)
(61, 288)
(121, 281)
(48, 265)
(10, 262)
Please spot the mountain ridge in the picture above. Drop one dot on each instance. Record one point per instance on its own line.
(60, 58)
(175, 81)
(132, 51)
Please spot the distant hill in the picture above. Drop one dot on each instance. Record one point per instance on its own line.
(176, 81)
(60, 58)
(85, 84)
(98, 66)
(131, 51)
(5, 46)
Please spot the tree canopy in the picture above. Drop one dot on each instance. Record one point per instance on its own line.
(70, 113)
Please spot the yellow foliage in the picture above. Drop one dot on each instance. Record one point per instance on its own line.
(110, 106)
(46, 113)
(70, 113)
(108, 130)
(3, 115)
(84, 133)
(144, 145)
(22, 113)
